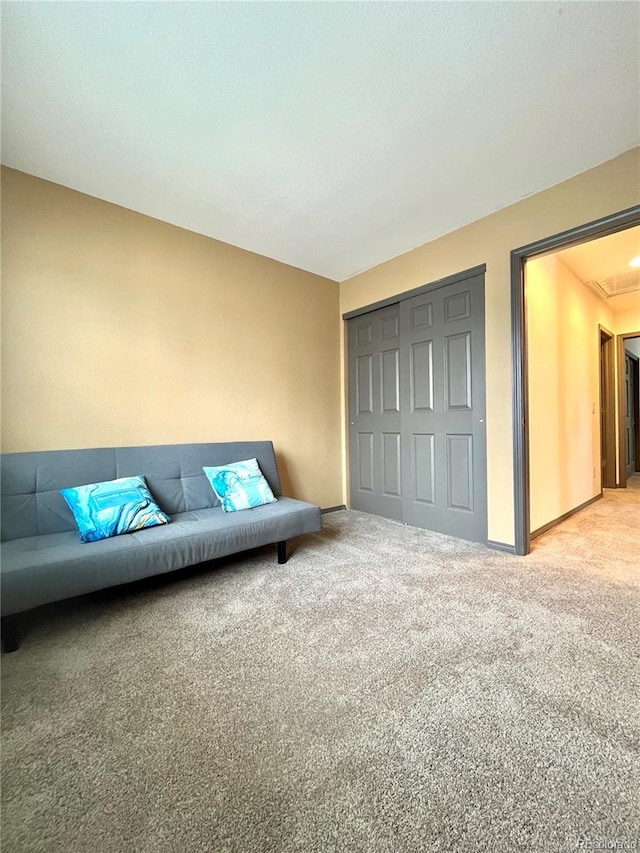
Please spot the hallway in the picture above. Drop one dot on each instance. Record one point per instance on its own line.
(606, 535)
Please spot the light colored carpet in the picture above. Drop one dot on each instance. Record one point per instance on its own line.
(388, 689)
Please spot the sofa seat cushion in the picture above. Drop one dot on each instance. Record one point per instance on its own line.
(55, 566)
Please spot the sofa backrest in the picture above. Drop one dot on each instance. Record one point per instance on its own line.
(31, 482)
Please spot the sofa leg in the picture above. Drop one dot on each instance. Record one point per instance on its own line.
(282, 552)
(10, 633)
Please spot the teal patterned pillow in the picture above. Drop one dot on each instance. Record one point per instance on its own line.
(118, 506)
(240, 485)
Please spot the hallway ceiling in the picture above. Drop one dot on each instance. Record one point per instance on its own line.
(330, 136)
(604, 265)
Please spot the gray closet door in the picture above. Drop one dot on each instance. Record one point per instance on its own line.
(427, 465)
(374, 382)
(443, 410)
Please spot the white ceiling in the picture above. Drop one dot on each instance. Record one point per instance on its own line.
(331, 136)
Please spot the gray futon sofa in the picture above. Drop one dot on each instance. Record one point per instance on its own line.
(43, 559)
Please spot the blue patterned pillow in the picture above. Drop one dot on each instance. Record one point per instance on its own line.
(118, 506)
(240, 485)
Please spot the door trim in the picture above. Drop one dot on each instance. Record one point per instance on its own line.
(608, 353)
(581, 234)
(622, 405)
(417, 291)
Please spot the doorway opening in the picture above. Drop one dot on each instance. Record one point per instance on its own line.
(629, 406)
(521, 424)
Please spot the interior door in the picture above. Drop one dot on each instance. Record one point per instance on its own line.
(607, 411)
(417, 410)
(630, 416)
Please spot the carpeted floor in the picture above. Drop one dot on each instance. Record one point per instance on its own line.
(387, 690)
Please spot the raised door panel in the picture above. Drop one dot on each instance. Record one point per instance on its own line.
(365, 478)
(457, 306)
(364, 333)
(391, 458)
(389, 324)
(421, 316)
(364, 384)
(421, 376)
(390, 379)
(423, 468)
(457, 366)
(459, 462)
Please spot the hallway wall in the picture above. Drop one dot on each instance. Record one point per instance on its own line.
(564, 389)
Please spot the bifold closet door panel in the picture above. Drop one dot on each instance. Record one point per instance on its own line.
(443, 410)
(374, 413)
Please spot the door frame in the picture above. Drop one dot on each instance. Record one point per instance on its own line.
(622, 405)
(608, 397)
(520, 409)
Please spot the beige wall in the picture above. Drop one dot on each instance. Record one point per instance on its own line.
(119, 329)
(628, 321)
(564, 389)
(608, 188)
